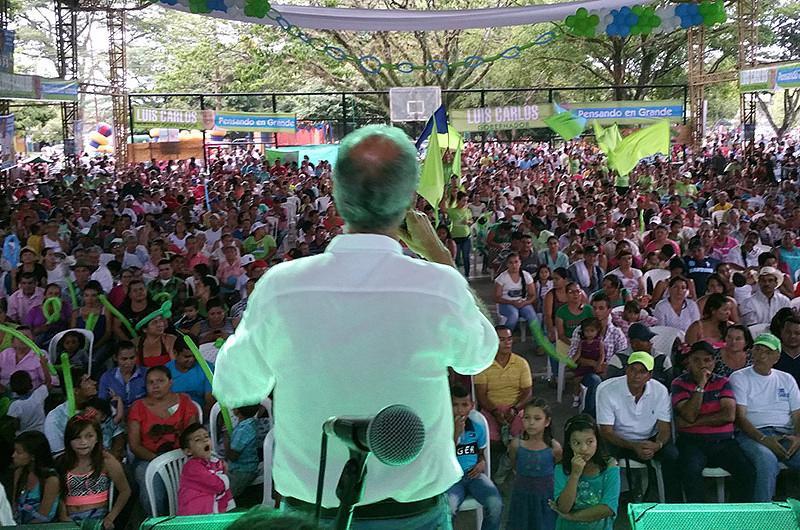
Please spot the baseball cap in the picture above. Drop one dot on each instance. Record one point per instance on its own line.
(256, 226)
(639, 331)
(129, 197)
(745, 218)
(769, 340)
(655, 219)
(116, 241)
(247, 259)
(642, 357)
(701, 346)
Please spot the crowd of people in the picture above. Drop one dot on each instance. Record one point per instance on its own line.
(672, 290)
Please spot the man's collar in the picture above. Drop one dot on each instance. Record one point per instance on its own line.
(363, 242)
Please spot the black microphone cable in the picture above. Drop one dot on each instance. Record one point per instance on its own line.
(323, 458)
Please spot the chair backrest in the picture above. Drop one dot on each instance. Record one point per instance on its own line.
(167, 466)
(652, 277)
(213, 428)
(758, 329)
(269, 448)
(665, 338)
(52, 348)
(199, 411)
(479, 418)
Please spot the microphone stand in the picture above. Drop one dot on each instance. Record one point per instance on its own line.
(350, 487)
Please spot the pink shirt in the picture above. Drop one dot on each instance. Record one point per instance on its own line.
(226, 270)
(204, 488)
(20, 305)
(29, 363)
(196, 260)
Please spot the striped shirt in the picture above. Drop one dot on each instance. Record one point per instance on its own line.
(716, 390)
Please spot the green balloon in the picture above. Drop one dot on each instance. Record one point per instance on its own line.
(570, 20)
(594, 19)
(582, 12)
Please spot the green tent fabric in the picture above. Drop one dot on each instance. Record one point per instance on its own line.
(431, 181)
(641, 144)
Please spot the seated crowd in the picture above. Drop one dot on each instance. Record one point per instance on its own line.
(673, 299)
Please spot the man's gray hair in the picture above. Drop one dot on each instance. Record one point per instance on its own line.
(374, 183)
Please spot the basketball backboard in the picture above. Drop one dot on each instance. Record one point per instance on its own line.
(414, 103)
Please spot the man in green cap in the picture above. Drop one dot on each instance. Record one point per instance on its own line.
(768, 415)
(634, 416)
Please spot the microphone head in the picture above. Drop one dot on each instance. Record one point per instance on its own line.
(396, 435)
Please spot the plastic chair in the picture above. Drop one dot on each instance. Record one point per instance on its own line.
(199, 411)
(635, 465)
(719, 474)
(665, 338)
(269, 448)
(470, 503)
(52, 348)
(167, 466)
(758, 329)
(652, 277)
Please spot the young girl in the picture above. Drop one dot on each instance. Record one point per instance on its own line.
(586, 481)
(533, 457)
(543, 283)
(590, 357)
(87, 471)
(204, 488)
(35, 481)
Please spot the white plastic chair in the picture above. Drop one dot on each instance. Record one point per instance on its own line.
(52, 348)
(758, 329)
(665, 338)
(469, 502)
(635, 465)
(719, 475)
(652, 277)
(269, 448)
(167, 466)
(199, 411)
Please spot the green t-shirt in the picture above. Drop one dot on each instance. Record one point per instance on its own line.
(460, 221)
(259, 249)
(572, 320)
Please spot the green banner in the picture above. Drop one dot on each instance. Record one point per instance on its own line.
(255, 121)
(33, 87)
(144, 117)
(533, 116)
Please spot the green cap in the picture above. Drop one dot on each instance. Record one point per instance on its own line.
(769, 340)
(642, 357)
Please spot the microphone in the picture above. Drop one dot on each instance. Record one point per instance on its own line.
(395, 435)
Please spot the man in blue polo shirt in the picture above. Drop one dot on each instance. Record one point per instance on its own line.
(188, 377)
(471, 441)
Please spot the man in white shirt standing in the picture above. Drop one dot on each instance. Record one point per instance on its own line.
(767, 415)
(386, 328)
(766, 300)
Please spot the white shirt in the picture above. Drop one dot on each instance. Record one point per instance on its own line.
(759, 310)
(770, 399)
(104, 277)
(30, 411)
(634, 421)
(666, 315)
(511, 290)
(386, 328)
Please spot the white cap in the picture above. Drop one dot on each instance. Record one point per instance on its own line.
(247, 259)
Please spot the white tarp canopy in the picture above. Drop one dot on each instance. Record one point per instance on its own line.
(353, 19)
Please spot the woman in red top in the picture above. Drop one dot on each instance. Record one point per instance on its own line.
(156, 348)
(154, 426)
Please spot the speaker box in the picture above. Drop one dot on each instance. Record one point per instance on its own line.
(754, 516)
(195, 522)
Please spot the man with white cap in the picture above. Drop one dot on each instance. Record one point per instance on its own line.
(766, 300)
(767, 415)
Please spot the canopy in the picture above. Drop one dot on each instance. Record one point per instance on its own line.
(367, 20)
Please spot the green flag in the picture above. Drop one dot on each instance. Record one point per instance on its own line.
(641, 144)
(565, 125)
(454, 142)
(607, 139)
(431, 180)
